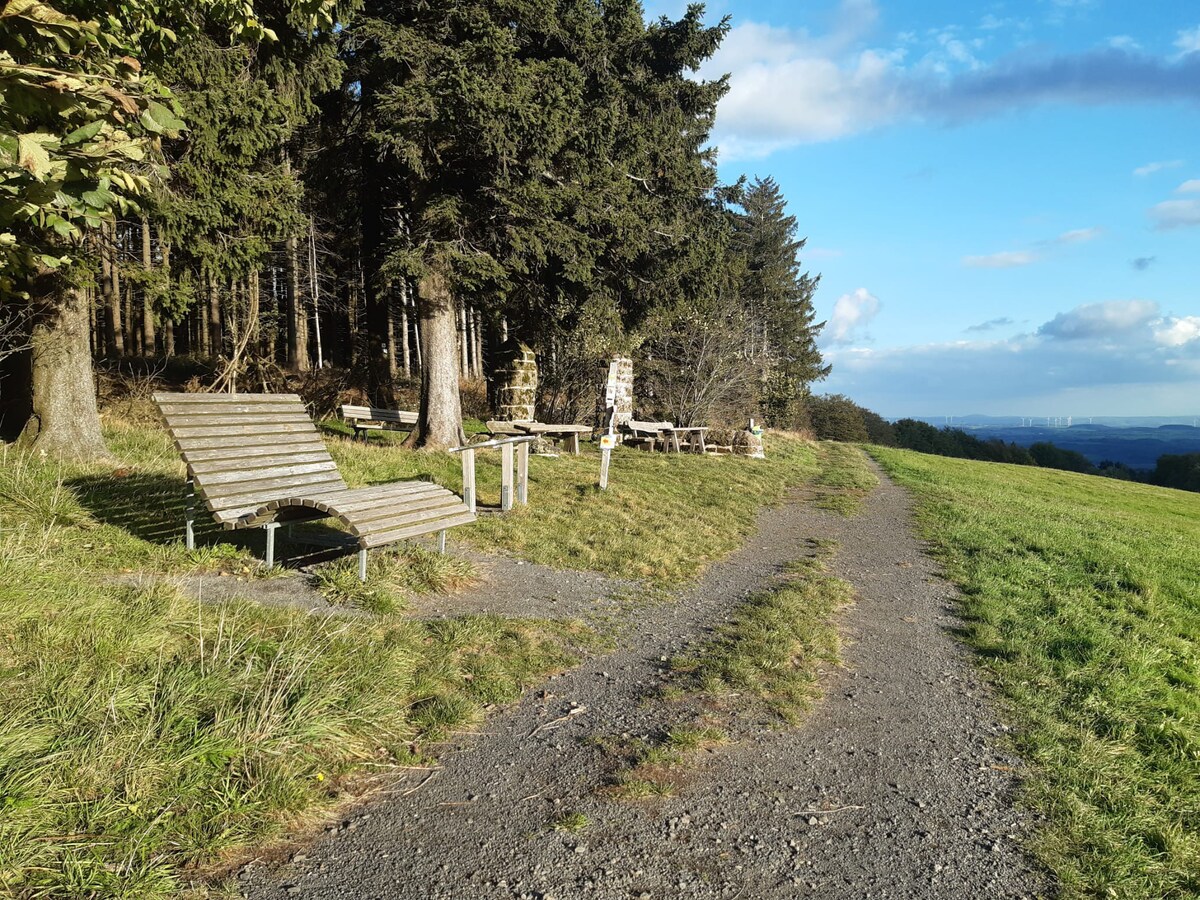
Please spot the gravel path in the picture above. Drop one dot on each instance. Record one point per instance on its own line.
(894, 787)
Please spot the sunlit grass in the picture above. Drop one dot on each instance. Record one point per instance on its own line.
(1082, 595)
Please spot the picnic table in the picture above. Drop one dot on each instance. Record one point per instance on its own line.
(666, 436)
(564, 434)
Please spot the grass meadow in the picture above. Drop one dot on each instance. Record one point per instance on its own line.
(147, 739)
(1082, 597)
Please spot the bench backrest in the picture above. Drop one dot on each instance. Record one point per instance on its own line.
(244, 450)
(375, 414)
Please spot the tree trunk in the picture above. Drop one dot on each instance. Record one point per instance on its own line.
(391, 330)
(440, 423)
(148, 334)
(478, 344)
(168, 325)
(405, 352)
(65, 423)
(297, 352)
(114, 334)
(214, 318)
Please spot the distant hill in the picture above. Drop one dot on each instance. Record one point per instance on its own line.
(1138, 446)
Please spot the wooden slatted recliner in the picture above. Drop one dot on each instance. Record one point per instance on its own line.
(258, 461)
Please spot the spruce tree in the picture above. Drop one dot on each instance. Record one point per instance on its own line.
(777, 295)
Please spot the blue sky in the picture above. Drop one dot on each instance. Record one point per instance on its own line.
(1003, 199)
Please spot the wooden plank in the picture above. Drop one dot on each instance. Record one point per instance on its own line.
(379, 539)
(411, 515)
(212, 410)
(240, 442)
(232, 459)
(250, 427)
(211, 480)
(259, 493)
(252, 454)
(341, 506)
(284, 417)
(218, 399)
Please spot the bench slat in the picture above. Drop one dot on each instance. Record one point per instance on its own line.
(224, 399)
(413, 511)
(271, 486)
(236, 443)
(378, 539)
(262, 457)
(243, 474)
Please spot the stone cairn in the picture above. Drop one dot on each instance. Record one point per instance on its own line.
(619, 370)
(516, 382)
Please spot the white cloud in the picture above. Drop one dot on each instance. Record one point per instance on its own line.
(793, 86)
(1079, 235)
(1123, 42)
(1175, 332)
(1189, 187)
(1114, 318)
(1175, 214)
(1151, 168)
(1008, 259)
(1188, 41)
(1129, 362)
(852, 313)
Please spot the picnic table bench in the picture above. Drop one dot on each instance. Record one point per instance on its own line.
(665, 436)
(563, 434)
(365, 419)
(258, 461)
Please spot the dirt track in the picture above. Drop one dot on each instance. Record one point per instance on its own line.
(895, 786)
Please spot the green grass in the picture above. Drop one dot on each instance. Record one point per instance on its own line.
(664, 516)
(143, 735)
(1082, 596)
(773, 646)
(846, 476)
(571, 823)
(145, 738)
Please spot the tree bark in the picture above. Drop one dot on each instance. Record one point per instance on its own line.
(168, 324)
(439, 426)
(214, 318)
(404, 345)
(65, 422)
(114, 334)
(297, 352)
(391, 330)
(149, 337)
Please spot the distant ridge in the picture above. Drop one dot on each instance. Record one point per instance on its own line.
(976, 420)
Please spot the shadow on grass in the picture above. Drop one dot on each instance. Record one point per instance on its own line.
(151, 507)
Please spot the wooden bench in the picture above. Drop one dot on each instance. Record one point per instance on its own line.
(257, 461)
(365, 419)
(561, 434)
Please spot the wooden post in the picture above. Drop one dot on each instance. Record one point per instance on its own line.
(523, 473)
(468, 473)
(506, 477)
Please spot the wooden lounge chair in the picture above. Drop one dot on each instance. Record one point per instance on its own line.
(258, 461)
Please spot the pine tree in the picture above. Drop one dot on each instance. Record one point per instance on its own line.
(777, 295)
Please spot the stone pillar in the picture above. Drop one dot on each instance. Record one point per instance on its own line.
(516, 382)
(620, 372)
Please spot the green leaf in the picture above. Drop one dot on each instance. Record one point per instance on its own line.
(98, 199)
(83, 133)
(32, 156)
(150, 123)
(165, 119)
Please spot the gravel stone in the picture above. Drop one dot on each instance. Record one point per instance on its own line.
(891, 787)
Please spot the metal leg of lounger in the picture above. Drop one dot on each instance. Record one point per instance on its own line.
(270, 529)
(362, 564)
(189, 516)
(442, 541)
